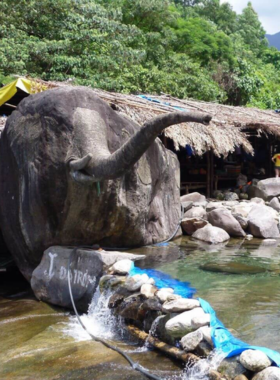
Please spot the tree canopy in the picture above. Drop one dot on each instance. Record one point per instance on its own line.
(187, 48)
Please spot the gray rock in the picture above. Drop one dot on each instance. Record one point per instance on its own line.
(200, 321)
(211, 234)
(121, 267)
(206, 332)
(148, 290)
(182, 324)
(241, 220)
(196, 212)
(49, 280)
(153, 304)
(180, 305)
(232, 368)
(230, 204)
(270, 373)
(190, 341)
(194, 197)
(275, 204)
(204, 349)
(187, 205)
(109, 258)
(254, 360)
(262, 222)
(110, 281)
(231, 196)
(200, 204)
(213, 205)
(270, 187)
(134, 283)
(225, 220)
(243, 209)
(190, 225)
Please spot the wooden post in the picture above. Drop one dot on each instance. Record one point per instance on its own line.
(208, 175)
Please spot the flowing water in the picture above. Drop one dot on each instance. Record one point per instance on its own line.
(240, 279)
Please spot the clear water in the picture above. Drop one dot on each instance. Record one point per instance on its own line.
(44, 342)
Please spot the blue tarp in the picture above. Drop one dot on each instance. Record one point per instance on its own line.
(163, 103)
(222, 338)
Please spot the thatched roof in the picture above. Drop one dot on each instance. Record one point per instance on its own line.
(225, 132)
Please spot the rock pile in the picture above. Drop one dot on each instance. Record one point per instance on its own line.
(177, 326)
(216, 221)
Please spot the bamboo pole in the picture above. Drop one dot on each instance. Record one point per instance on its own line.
(163, 347)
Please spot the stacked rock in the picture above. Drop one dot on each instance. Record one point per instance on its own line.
(176, 325)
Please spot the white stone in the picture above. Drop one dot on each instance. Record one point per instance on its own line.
(254, 360)
(243, 209)
(224, 220)
(210, 234)
(121, 267)
(193, 197)
(180, 325)
(249, 237)
(135, 282)
(262, 222)
(275, 204)
(258, 200)
(270, 373)
(214, 205)
(190, 341)
(179, 305)
(200, 321)
(206, 332)
(195, 212)
(164, 293)
(148, 290)
(173, 297)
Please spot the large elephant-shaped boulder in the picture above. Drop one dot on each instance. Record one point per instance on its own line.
(73, 171)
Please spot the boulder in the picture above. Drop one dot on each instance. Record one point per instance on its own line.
(152, 304)
(224, 219)
(190, 225)
(210, 234)
(254, 360)
(116, 299)
(243, 209)
(190, 341)
(148, 290)
(187, 205)
(200, 321)
(241, 220)
(270, 373)
(232, 268)
(135, 282)
(194, 197)
(121, 267)
(182, 324)
(49, 280)
(262, 222)
(206, 332)
(196, 212)
(275, 204)
(258, 200)
(270, 187)
(130, 308)
(213, 205)
(180, 305)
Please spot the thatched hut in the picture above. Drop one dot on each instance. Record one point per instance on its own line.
(230, 128)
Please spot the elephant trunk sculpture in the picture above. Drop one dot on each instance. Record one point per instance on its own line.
(54, 149)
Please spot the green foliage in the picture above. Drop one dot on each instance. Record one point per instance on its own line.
(187, 48)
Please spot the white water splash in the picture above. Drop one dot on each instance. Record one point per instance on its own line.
(99, 320)
(201, 369)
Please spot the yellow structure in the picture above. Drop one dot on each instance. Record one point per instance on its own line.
(8, 91)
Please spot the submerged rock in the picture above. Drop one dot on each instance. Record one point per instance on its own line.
(270, 373)
(254, 360)
(232, 368)
(182, 324)
(224, 219)
(232, 268)
(210, 234)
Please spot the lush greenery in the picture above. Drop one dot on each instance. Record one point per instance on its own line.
(187, 48)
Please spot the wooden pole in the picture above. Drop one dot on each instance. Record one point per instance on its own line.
(163, 347)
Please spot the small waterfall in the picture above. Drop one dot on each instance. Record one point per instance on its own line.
(99, 320)
(201, 369)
